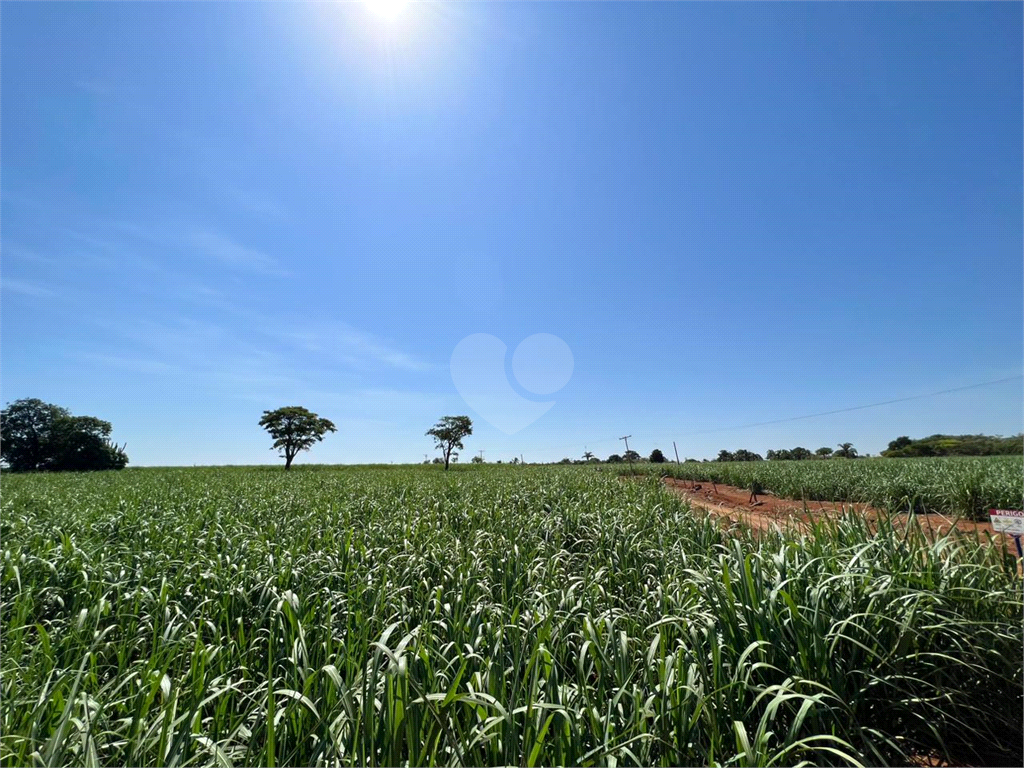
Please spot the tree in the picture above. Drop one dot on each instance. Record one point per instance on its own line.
(631, 455)
(657, 457)
(27, 427)
(744, 455)
(39, 436)
(448, 434)
(823, 452)
(294, 429)
(846, 451)
(615, 459)
(899, 442)
(799, 454)
(478, 459)
(82, 444)
(587, 455)
(724, 455)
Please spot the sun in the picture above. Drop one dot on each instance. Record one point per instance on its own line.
(388, 10)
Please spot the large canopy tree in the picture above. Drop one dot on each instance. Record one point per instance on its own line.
(295, 429)
(448, 434)
(38, 436)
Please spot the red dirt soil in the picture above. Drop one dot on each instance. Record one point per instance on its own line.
(768, 511)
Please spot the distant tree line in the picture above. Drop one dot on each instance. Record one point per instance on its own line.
(844, 451)
(955, 445)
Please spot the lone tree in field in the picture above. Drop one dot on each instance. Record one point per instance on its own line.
(448, 434)
(294, 429)
(657, 457)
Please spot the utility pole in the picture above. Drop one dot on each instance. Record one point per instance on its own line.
(628, 457)
(521, 459)
(481, 452)
(676, 450)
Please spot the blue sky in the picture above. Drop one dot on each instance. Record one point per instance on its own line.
(730, 213)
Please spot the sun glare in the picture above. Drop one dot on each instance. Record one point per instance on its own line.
(388, 10)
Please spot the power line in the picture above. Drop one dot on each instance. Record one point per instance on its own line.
(856, 407)
(822, 413)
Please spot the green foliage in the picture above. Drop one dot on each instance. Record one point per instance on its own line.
(448, 435)
(955, 445)
(615, 459)
(295, 429)
(823, 452)
(846, 451)
(39, 436)
(899, 442)
(741, 455)
(657, 457)
(796, 454)
(488, 616)
(744, 455)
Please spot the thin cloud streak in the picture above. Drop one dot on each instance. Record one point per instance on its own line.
(26, 288)
(133, 364)
(233, 254)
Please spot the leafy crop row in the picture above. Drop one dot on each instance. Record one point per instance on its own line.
(491, 617)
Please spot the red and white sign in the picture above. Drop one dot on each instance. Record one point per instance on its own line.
(1009, 521)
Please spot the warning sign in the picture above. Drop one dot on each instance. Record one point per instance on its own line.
(1009, 521)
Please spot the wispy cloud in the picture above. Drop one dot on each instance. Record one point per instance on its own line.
(18, 254)
(26, 288)
(372, 348)
(349, 345)
(128, 363)
(233, 254)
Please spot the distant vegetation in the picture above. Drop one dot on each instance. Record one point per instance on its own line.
(42, 437)
(741, 455)
(955, 445)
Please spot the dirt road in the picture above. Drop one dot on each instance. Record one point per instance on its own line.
(769, 512)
